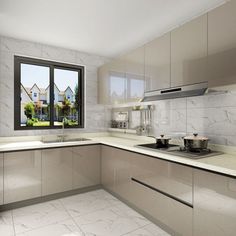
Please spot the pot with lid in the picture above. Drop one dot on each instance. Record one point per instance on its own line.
(162, 141)
(195, 142)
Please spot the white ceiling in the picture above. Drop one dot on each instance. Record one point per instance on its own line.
(103, 27)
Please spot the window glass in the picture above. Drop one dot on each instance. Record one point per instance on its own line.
(66, 108)
(35, 94)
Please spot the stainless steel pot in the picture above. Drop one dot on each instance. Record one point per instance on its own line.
(195, 142)
(162, 141)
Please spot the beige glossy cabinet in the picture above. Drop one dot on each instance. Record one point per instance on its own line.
(157, 63)
(86, 166)
(1, 179)
(164, 190)
(222, 45)
(22, 175)
(173, 179)
(136, 178)
(189, 53)
(56, 170)
(122, 80)
(112, 82)
(108, 168)
(214, 204)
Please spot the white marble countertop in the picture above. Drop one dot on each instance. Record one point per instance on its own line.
(224, 163)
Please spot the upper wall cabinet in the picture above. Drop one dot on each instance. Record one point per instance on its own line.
(122, 80)
(222, 45)
(157, 63)
(111, 82)
(189, 53)
(134, 68)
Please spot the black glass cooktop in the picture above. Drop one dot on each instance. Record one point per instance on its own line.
(179, 151)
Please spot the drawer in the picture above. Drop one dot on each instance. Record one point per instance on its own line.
(170, 178)
(173, 215)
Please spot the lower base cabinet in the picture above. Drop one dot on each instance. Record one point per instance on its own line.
(86, 166)
(214, 204)
(22, 175)
(56, 170)
(1, 179)
(118, 169)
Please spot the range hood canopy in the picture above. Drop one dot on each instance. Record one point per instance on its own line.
(176, 92)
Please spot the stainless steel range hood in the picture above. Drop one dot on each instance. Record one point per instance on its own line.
(176, 92)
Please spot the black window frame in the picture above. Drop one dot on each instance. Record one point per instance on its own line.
(18, 60)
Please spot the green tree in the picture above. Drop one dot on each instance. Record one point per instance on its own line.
(29, 110)
(66, 106)
(76, 104)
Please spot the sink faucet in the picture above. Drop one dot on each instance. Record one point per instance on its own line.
(62, 136)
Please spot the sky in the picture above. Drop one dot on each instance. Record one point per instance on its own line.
(31, 74)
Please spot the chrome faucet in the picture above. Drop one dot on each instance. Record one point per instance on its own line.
(62, 136)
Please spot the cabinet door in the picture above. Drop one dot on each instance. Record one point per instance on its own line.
(189, 53)
(108, 168)
(122, 161)
(134, 68)
(1, 179)
(214, 204)
(22, 175)
(56, 170)
(86, 166)
(112, 82)
(157, 63)
(222, 45)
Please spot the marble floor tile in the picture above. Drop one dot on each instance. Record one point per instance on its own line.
(148, 230)
(6, 224)
(64, 228)
(39, 215)
(88, 202)
(112, 221)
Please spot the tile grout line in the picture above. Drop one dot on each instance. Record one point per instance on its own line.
(135, 229)
(71, 217)
(13, 223)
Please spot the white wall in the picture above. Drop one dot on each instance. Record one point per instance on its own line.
(96, 115)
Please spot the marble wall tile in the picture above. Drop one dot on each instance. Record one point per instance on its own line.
(212, 115)
(91, 60)
(20, 47)
(96, 115)
(58, 54)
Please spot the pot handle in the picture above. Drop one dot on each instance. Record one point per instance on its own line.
(195, 134)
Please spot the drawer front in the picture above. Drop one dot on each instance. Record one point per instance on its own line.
(167, 177)
(174, 216)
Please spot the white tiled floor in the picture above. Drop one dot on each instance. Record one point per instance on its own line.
(94, 213)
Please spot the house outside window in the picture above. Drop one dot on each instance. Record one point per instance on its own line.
(43, 92)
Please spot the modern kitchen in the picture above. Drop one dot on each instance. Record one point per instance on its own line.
(118, 118)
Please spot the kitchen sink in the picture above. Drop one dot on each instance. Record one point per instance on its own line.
(66, 140)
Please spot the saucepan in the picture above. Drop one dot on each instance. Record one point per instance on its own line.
(162, 141)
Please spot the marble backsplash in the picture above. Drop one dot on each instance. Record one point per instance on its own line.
(212, 115)
(97, 116)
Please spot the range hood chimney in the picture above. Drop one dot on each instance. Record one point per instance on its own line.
(176, 92)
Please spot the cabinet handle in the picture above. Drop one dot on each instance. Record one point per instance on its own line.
(163, 193)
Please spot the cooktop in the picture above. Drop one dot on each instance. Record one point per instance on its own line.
(180, 151)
